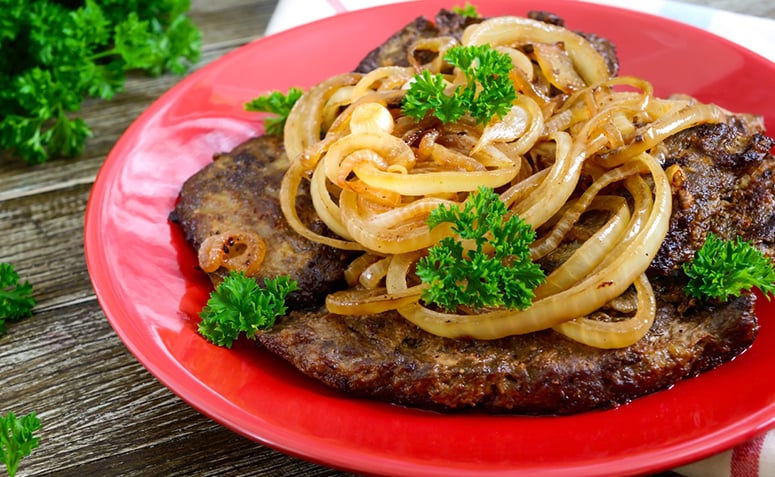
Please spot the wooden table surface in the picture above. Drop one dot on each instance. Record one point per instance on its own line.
(102, 412)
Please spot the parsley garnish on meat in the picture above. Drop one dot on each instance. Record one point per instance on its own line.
(277, 103)
(488, 91)
(55, 56)
(17, 439)
(16, 299)
(238, 305)
(721, 269)
(466, 10)
(478, 278)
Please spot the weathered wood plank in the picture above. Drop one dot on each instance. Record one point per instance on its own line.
(104, 414)
(43, 239)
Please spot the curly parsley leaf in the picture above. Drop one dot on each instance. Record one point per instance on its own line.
(724, 268)
(488, 91)
(17, 439)
(497, 272)
(238, 305)
(276, 103)
(428, 93)
(153, 47)
(16, 300)
(57, 54)
(466, 10)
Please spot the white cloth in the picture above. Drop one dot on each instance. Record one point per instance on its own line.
(756, 457)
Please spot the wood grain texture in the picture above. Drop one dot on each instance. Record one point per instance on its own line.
(103, 413)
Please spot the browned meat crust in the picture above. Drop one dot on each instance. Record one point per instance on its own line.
(729, 188)
(447, 23)
(603, 45)
(239, 191)
(387, 358)
(393, 51)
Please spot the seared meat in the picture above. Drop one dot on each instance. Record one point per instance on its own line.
(393, 51)
(729, 188)
(447, 23)
(546, 17)
(239, 191)
(453, 24)
(604, 46)
(386, 357)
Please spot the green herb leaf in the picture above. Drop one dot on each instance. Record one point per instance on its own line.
(56, 54)
(147, 45)
(238, 305)
(277, 103)
(721, 269)
(16, 299)
(17, 439)
(488, 91)
(427, 93)
(497, 272)
(467, 10)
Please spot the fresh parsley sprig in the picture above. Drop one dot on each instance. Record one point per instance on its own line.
(476, 278)
(724, 268)
(277, 103)
(466, 10)
(17, 439)
(488, 91)
(238, 305)
(56, 56)
(16, 300)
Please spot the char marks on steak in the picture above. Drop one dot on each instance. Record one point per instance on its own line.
(728, 187)
(240, 190)
(392, 52)
(386, 357)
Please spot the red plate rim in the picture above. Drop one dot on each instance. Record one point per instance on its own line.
(137, 263)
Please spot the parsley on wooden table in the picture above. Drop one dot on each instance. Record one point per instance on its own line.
(17, 439)
(16, 300)
(58, 54)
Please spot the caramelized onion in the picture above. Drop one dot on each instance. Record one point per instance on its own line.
(305, 121)
(574, 142)
(616, 334)
(590, 65)
(240, 251)
(370, 301)
(555, 62)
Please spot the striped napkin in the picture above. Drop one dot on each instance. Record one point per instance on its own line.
(756, 457)
(753, 458)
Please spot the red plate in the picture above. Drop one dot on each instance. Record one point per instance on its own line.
(144, 275)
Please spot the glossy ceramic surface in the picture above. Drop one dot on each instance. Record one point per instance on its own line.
(145, 277)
